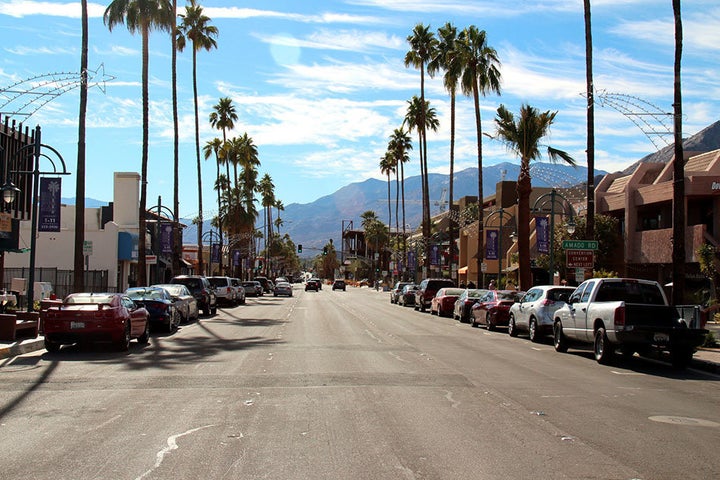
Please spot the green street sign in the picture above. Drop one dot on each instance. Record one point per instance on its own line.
(580, 244)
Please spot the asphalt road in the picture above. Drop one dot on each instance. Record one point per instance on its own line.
(344, 385)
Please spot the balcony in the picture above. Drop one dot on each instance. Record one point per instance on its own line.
(655, 246)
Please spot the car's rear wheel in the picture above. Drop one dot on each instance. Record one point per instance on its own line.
(489, 323)
(145, 337)
(533, 331)
(512, 330)
(603, 349)
(124, 344)
(52, 347)
(559, 341)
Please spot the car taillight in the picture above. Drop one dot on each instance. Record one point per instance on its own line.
(547, 302)
(619, 319)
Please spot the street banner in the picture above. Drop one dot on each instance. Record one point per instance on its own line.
(543, 234)
(491, 244)
(166, 237)
(434, 255)
(49, 208)
(215, 253)
(411, 261)
(236, 258)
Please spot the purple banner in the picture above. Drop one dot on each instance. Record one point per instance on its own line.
(215, 253)
(411, 261)
(49, 208)
(166, 237)
(236, 258)
(434, 255)
(491, 245)
(543, 234)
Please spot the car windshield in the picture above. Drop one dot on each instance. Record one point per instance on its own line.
(79, 298)
(191, 283)
(453, 292)
(218, 282)
(146, 294)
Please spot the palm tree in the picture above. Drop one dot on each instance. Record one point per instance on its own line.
(142, 16)
(196, 27)
(177, 233)
(387, 166)
(267, 191)
(480, 75)
(447, 58)
(523, 136)
(215, 146)
(400, 145)
(422, 49)
(79, 256)
(678, 253)
(589, 88)
(223, 118)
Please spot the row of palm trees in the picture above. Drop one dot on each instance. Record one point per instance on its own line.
(236, 199)
(467, 61)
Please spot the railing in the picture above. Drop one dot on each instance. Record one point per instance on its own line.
(61, 280)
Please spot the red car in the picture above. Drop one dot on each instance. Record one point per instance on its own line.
(493, 308)
(95, 317)
(443, 302)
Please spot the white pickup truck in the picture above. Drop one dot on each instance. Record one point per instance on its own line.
(627, 314)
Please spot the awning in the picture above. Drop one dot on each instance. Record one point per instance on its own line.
(462, 270)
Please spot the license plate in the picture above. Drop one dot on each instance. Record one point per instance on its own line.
(77, 324)
(661, 338)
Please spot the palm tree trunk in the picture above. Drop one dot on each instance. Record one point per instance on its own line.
(402, 185)
(142, 274)
(177, 233)
(481, 228)
(397, 206)
(389, 205)
(451, 224)
(424, 172)
(79, 257)
(678, 254)
(199, 168)
(524, 189)
(590, 214)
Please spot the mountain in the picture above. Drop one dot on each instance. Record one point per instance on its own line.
(313, 224)
(89, 202)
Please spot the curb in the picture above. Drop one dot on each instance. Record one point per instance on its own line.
(23, 347)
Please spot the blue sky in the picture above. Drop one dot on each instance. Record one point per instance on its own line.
(320, 85)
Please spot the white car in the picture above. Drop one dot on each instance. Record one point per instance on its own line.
(283, 288)
(533, 313)
(224, 290)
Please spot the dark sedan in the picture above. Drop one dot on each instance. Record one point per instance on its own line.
(463, 305)
(312, 285)
(184, 301)
(407, 297)
(493, 308)
(159, 304)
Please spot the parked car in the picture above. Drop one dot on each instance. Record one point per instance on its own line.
(428, 289)
(201, 289)
(253, 288)
(283, 288)
(407, 298)
(95, 317)
(444, 301)
(184, 301)
(224, 290)
(239, 289)
(397, 291)
(462, 310)
(493, 308)
(339, 284)
(312, 285)
(160, 306)
(534, 312)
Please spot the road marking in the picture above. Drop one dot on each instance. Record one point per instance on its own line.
(171, 445)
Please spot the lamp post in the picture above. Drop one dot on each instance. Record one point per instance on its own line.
(209, 236)
(500, 214)
(541, 205)
(160, 210)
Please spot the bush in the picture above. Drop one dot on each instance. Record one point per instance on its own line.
(710, 341)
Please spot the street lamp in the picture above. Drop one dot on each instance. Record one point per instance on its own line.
(500, 214)
(209, 236)
(160, 240)
(541, 205)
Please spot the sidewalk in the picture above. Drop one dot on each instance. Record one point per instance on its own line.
(707, 359)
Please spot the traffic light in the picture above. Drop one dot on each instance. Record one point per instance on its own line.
(300, 248)
(324, 250)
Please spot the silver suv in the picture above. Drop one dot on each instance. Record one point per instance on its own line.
(226, 293)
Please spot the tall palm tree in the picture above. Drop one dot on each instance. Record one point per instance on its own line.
(196, 27)
(387, 166)
(422, 49)
(447, 58)
(142, 16)
(590, 92)
(480, 75)
(400, 145)
(177, 233)
(215, 146)
(423, 119)
(79, 256)
(678, 253)
(223, 118)
(267, 192)
(522, 136)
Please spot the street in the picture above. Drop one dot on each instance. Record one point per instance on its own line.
(346, 385)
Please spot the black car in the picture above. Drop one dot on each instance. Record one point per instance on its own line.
(338, 285)
(397, 290)
(312, 285)
(201, 289)
(407, 298)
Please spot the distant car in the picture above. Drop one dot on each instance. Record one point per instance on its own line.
(312, 285)
(281, 279)
(493, 309)
(239, 290)
(397, 291)
(534, 312)
(407, 298)
(339, 285)
(95, 317)
(318, 281)
(266, 284)
(160, 306)
(201, 289)
(443, 302)
(184, 301)
(428, 289)
(283, 288)
(226, 293)
(253, 288)
(463, 305)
